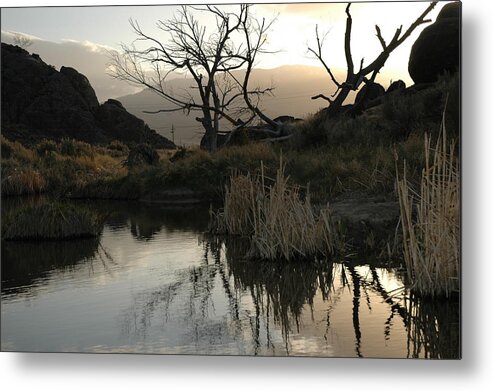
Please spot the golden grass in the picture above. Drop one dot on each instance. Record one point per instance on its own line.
(279, 223)
(61, 167)
(431, 236)
(14, 149)
(20, 181)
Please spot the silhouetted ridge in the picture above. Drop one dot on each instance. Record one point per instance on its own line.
(40, 102)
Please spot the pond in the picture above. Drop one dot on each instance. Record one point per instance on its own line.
(155, 283)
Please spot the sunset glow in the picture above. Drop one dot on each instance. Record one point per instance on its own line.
(291, 34)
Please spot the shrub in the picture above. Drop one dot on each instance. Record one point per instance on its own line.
(46, 147)
(142, 155)
(74, 148)
(118, 149)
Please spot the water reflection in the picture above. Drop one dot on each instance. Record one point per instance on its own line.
(145, 221)
(154, 283)
(26, 264)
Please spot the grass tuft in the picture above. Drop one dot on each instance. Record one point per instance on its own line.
(431, 236)
(279, 223)
(51, 221)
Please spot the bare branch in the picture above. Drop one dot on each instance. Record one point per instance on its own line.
(354, 80)
(208, 56)
(322, 96)
(318, 55)
(380, 38)
(347, 41)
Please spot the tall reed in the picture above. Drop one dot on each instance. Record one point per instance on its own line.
(431, 221)
(280, 224)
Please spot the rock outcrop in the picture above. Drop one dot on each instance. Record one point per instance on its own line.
(367, 93)
(397, 85)
(119, 124)
(40, 102)
(437, 49)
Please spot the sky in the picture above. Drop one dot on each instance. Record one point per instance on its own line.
(291, 34)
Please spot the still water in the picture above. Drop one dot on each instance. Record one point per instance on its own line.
(154, 283)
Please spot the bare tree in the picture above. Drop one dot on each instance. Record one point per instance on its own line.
(355, 78)
(210, 57)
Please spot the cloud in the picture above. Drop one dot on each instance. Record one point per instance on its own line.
(93, 47)
(303, 10)
(10, 35)
(89, 58)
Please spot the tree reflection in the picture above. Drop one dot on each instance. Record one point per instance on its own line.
(263, 297)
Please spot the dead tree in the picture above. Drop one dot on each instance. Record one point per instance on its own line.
(355, 78)
(270, 130)
(210, 57)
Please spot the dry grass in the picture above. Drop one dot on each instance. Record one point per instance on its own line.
(62, 168)
(21, 181)
(431, 236)
(51, 221)
(280, 224)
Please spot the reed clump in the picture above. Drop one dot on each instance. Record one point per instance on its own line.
(431, 221)
(51, 221)
(278, 221)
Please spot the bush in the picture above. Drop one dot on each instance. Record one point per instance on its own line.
(118, 149)
(142, 155)
(46, 147)
(74, 148)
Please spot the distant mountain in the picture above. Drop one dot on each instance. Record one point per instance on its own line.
(294, 86)
(40, 102)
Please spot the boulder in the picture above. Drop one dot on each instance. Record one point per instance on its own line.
(119, 124)
(39, 102)
(368, 92)
(82, 85)
(396, 86)
(437, 49)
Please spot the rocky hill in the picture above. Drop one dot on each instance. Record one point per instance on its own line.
(40, 102)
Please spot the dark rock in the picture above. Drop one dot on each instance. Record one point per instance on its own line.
(437, 49)
(119, 124)
(39, 102)
(451, 10)
(82, 85)
(37, 98)
(396, 86)
(284, 118)
(368, 92)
